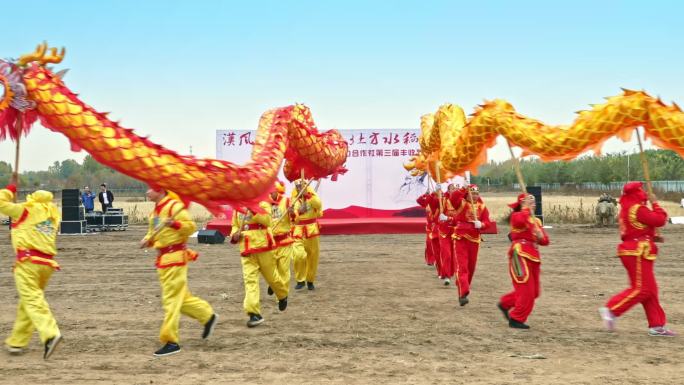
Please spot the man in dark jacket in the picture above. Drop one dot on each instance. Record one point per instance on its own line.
(105, 197)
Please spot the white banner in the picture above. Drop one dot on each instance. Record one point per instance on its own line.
(376, 178)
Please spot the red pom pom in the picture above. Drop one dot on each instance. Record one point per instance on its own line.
(12, 188)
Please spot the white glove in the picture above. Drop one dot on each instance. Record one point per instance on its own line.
(477, 224)
(443, 218)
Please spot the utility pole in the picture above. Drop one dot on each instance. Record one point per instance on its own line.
(628, 156)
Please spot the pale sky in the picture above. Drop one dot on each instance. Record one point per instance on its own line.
(179, 70)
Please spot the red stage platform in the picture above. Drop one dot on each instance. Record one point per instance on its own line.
(358, 220)
(339, 226)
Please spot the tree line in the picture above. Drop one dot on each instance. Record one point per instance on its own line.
(663, 165)
(71, 174)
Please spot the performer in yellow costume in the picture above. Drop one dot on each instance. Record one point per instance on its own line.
(252, 231)
(170, 226)
(34, 232)
(308, 208)
(287, 248)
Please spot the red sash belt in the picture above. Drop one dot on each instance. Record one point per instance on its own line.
(23, 253)
(639, 239)
(254, 226)
(307, 221)
(281, 237)
(171, 249)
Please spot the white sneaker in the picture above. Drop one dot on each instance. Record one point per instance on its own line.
(15, 350)
(447, 281)
(661, 331)
(608, 318)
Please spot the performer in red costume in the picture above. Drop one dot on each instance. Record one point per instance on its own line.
(638, 253)
(434, 234)
(445, 231)
(424, 202)
(524, 262)
(471, 216)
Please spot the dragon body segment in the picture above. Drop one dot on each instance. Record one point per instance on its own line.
(286, 133)
(460, 145)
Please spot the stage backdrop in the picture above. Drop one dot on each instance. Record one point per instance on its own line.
(376, 184)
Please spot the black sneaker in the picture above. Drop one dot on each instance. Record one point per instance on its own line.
(282, 304)
(51, 345)
(269, 291)
(517, 324)
(299, 285)
(310, 286)
(463, 300)
(254, 320)
(169, 349)
(504, 311)
(209, 326)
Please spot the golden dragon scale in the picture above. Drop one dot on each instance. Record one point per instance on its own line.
(461, 144)
(283, 133)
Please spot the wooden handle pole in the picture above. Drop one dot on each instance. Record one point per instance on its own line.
(518, 172)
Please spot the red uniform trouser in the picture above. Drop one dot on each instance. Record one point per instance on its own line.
(525, 290)
(466, 260)
(429, 254)
(445, 255)
(435, 252)
(643, 289)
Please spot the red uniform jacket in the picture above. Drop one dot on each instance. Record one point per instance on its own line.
(424, 202)
(433, 205)
(464, 215)
(637, 229)
(446, 228)
(525, 241)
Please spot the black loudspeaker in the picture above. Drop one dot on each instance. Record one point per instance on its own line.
(210, 236)
(73, 213)
(70, 197)
(115, 219)
(73, 227)
(95, 220)
(537, 192)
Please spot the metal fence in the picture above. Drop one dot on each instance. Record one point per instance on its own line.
(659, 185)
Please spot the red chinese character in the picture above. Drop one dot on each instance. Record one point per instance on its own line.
(388, 153)
(412, 152)
(351, 139)
(229, 139)
(378, 153)
(395, 152)
(404, 152)
(391, 138)
(374, 138)
(363, 153)
(407, 136)
(246, 139)
(355, 153)
(362, 139)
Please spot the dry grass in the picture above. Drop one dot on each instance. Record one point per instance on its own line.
(557, 208)
(138, 211)
(560, 208)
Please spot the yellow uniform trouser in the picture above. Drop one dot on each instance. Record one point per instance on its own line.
(33, 311)
(305, 268)
(252, 265)
(177, 300)
(292, 252)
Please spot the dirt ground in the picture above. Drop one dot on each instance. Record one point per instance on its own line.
(378, 315)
